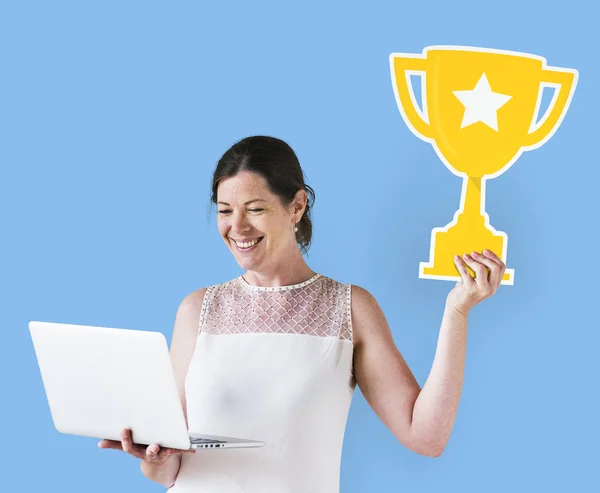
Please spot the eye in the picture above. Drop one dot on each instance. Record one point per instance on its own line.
(224, 212)
(255, 210)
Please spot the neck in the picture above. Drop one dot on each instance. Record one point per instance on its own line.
(291, 270)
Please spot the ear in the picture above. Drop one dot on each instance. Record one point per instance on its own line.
(298, 205)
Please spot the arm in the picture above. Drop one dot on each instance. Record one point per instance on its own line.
(437, 404)
(183, 344)
(381, 372)
(421, 419)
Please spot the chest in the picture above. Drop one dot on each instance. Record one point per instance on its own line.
(265, 376)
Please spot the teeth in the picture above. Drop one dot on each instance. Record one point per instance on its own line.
(247, 244)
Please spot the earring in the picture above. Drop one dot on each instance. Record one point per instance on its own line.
(296, 229)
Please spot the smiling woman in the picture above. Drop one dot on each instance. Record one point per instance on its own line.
(264, 210)
(275, 354)
(276, 163)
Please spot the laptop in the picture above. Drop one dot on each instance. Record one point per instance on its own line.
(99, 380)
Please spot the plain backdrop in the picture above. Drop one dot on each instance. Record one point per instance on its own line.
(112, 118)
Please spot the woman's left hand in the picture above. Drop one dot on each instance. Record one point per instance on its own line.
(468, 291)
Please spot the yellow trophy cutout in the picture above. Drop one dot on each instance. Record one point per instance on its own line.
(480, 109)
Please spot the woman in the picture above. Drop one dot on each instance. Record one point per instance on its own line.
(275, 354)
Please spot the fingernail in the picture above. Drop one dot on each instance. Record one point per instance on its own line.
(467, 256)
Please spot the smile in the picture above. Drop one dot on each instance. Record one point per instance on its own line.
(247, 245)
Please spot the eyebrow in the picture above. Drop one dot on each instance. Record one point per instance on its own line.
(245, 203)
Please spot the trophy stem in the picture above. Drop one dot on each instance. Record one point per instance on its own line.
(472, 205)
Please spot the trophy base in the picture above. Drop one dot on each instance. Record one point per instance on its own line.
(428, 272)
(463, 237)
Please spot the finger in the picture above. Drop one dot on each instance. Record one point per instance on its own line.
(130, 447)
(492, 256)
(186, 451)
(481, 278)
(464, 273)
(126, 441)
(153, 451)
(499, 261)
(183, 451)
(113, 444)
(166, 453)
(494, 267)
(156, 453)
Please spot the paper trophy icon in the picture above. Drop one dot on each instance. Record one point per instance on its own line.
(480, 111)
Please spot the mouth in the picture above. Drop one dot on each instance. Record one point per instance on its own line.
(247, 246)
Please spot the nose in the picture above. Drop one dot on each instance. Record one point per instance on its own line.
(239, 223)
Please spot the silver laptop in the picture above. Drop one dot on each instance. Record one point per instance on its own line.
(99, 380)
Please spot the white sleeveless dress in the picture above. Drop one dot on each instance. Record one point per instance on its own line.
(272, 364)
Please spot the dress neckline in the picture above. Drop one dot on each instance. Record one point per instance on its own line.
(277, 288)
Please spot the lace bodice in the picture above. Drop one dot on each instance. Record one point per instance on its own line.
(318, 307)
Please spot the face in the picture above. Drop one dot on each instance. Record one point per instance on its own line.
(254, 224)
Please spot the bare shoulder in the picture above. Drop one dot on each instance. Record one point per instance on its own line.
(193, 301)
(367, 316)
(362, 299)
(187, 319)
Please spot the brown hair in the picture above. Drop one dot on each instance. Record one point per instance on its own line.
(277, 163)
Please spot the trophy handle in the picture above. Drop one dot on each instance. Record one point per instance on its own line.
(404, 94)
(567, 79)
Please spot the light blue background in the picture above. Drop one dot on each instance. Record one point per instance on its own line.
(112, 118)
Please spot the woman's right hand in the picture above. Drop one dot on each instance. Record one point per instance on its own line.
(152, 454)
